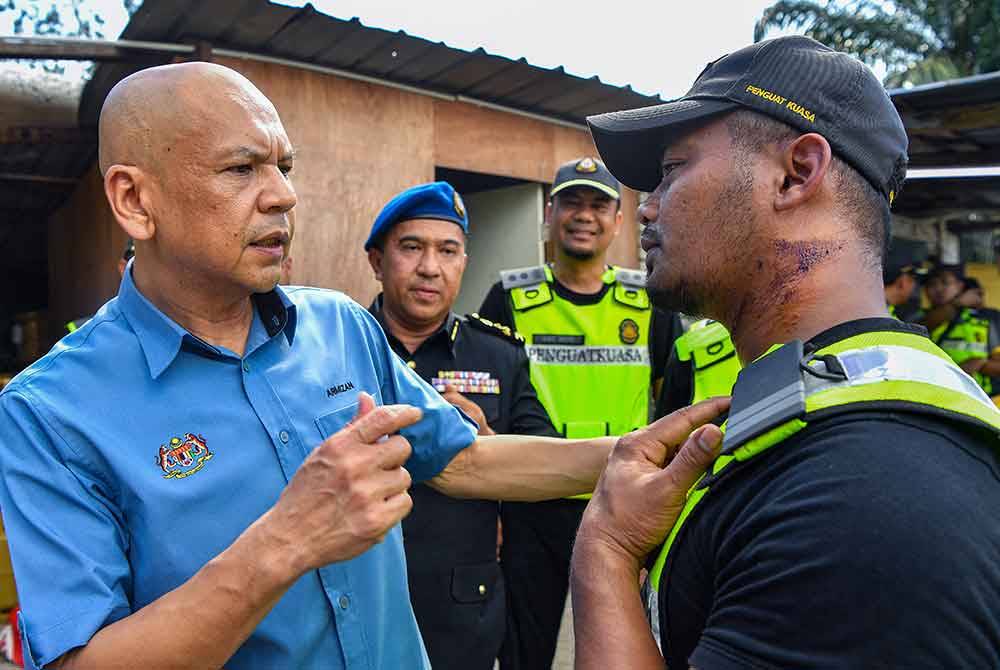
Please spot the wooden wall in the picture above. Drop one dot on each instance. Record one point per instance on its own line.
(358, 145)
(85, 244)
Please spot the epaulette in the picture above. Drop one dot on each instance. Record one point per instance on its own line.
(487, 326)
(630, 278)
(520, 277)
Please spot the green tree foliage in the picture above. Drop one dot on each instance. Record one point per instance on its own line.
(919, 41)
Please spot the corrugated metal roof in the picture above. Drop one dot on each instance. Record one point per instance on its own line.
(952, 123)
(309, 36)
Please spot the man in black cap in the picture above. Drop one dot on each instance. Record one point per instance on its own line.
(588, 326)
(417, 250)
(901, 274)
(849, 517)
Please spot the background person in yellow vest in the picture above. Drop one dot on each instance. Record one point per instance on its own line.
(417, 250)
(596, 348)
(965, 334)
(703, 364)
(850, 521)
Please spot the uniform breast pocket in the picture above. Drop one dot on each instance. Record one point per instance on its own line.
(334, 420)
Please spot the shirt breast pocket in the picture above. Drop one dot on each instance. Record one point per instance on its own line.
(334, 420)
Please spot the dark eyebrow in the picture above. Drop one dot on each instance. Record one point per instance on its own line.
(422, 240)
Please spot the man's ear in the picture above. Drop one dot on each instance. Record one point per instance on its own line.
(126, 188)
(375, 257)
(806, 163)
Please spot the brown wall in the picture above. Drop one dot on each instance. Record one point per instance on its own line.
(469, 137)
(85, 244)
(357, 145)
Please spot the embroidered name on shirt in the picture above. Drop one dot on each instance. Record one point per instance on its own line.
(338, 389)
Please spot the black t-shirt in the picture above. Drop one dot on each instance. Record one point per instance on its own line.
(664, 327)
(868, 540)
(678, 385)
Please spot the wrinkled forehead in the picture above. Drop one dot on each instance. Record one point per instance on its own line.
(223, 113)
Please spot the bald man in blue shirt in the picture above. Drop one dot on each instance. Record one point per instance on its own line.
(213, 469)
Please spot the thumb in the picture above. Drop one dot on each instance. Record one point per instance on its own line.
(366, 404)
(694, 457)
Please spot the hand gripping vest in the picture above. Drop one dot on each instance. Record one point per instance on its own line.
(589, 363)
(714, 364)
(782, 392)
(964, 338)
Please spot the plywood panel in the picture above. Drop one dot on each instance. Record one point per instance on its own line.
(357, 146)
(468, 137)
(85, 244)
(474, 138)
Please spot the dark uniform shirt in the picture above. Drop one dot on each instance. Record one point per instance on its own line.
(455, 583)
(868, 540)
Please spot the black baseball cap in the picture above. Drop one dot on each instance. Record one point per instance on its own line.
(586, 171)
(793, 79)
(904, 257)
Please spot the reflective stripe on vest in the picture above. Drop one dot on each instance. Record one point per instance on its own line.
(904, 370)
(714, 363)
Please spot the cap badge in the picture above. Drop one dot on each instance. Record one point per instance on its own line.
(459, 205)
(586, 165)
(182, 457)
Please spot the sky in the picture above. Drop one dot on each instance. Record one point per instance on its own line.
(656, 46)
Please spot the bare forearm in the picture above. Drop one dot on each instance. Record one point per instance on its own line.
(225, 601)
(608, 618)
(525, 468)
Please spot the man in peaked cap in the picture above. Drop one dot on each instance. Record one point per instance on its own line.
(588, 326)
(902, 273)
(848, 518)
(417, 250)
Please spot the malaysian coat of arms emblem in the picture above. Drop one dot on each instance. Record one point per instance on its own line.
(183, 456)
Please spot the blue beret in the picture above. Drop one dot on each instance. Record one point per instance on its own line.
(438, 200)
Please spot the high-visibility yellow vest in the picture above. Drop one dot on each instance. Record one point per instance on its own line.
(903, 370)
(714, 363)
(965, 338)
(589, 363)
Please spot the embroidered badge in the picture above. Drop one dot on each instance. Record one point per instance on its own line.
(182, 457)
(628, 331)
(586, 165)
(466, 382)
(459, 205)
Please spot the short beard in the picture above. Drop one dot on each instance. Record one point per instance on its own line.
(578, 255)
(729, 231)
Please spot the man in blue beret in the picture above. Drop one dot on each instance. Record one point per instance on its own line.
(417, 250)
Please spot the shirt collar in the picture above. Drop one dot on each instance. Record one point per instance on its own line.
(161, 338)
(449, 328)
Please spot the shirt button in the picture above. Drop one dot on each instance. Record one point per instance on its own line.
(412, 364)
(246, 366)
(482, 589)
(283, 436)
(344, 602)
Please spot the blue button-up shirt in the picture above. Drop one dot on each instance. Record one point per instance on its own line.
(133, 453)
